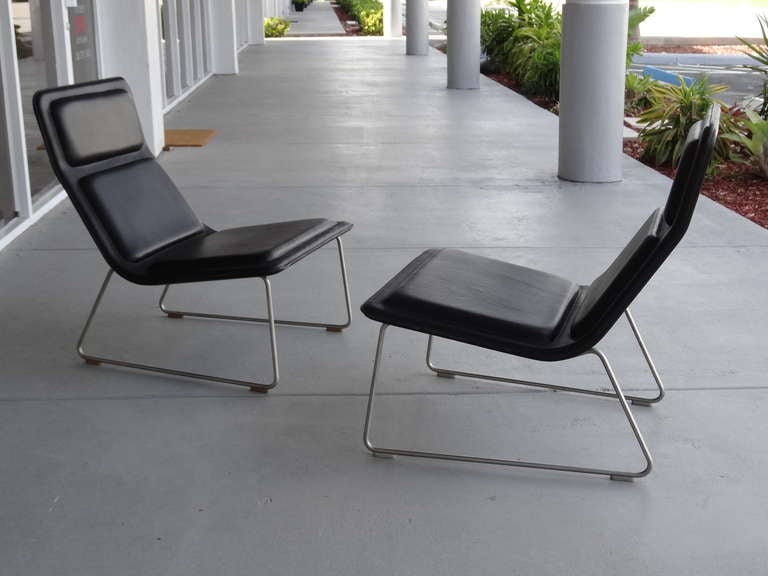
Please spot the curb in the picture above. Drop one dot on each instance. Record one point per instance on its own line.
(669, 59)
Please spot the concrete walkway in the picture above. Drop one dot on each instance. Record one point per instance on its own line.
(317, 19)
(110, 471)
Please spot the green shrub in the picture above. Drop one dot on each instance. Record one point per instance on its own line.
(759, 53)
(372, 21)
(755, 141)
(276, 27)
(637, 93)
(368, 13)
(496, 27)
(674, 109)
(532, 54)
(523, 40)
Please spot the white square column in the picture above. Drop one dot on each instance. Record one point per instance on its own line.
(224, 38)
(393, 18)
(256, 21)
(129, 46)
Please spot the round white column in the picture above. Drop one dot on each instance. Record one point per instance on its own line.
(592, 69)
(416, 27)
(463, 44)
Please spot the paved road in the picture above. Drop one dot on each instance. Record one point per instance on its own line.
(741, 83)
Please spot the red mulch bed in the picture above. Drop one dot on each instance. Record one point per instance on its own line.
(696, 49)
(736, 186)
(506, 80)
(344, 18)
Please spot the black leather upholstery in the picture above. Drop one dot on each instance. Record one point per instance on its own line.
(243, 252)
(607, 288)
(680, 183)
(501, 306)
(452, 290)
(119, 133)
(141, 207)
(137, 217)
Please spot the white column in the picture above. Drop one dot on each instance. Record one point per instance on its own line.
(463, 44)
(416, 27)
(393, 18)
(592, 69)
(224, 37)
(129, 40)
(256, 21)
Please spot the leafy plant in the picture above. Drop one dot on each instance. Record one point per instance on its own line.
(755, 142)
(535, 58)
(369, 13)
(674, 110)
(523, 39)
(637, 93)
(759, 53)
(496, 27)
(276, 27)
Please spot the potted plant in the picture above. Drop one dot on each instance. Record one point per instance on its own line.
(299, 5)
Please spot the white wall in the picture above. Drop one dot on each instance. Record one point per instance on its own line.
(130, 47)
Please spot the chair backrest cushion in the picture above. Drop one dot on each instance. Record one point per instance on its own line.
(684, 171)
(118, 130)
(607, 287)
(606, 298)
(140, 207)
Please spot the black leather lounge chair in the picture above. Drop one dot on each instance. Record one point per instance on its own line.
(497, 305)
(141, 223)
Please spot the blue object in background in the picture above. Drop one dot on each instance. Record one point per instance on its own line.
(667, 77)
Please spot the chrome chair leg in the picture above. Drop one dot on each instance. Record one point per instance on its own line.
(253, 385)
(331, 327)
(612, 474)
(639, 400)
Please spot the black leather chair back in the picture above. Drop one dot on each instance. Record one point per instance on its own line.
(606, 298)
(97, 149)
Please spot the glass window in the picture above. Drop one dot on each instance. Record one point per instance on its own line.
(183, 42)
(37, 70)
(7, 205)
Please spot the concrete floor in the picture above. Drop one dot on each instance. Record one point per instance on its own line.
(317, 19)
(111, 471)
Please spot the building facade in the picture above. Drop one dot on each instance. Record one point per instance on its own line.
(164, 48)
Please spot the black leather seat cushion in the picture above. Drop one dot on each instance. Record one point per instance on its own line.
(478, 300)
(244, 252)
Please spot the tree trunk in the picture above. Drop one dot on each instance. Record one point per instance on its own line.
(634, 33)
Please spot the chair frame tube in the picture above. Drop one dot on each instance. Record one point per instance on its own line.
(255, 386)
(623, 475)
(638, 400)
(331, 327)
